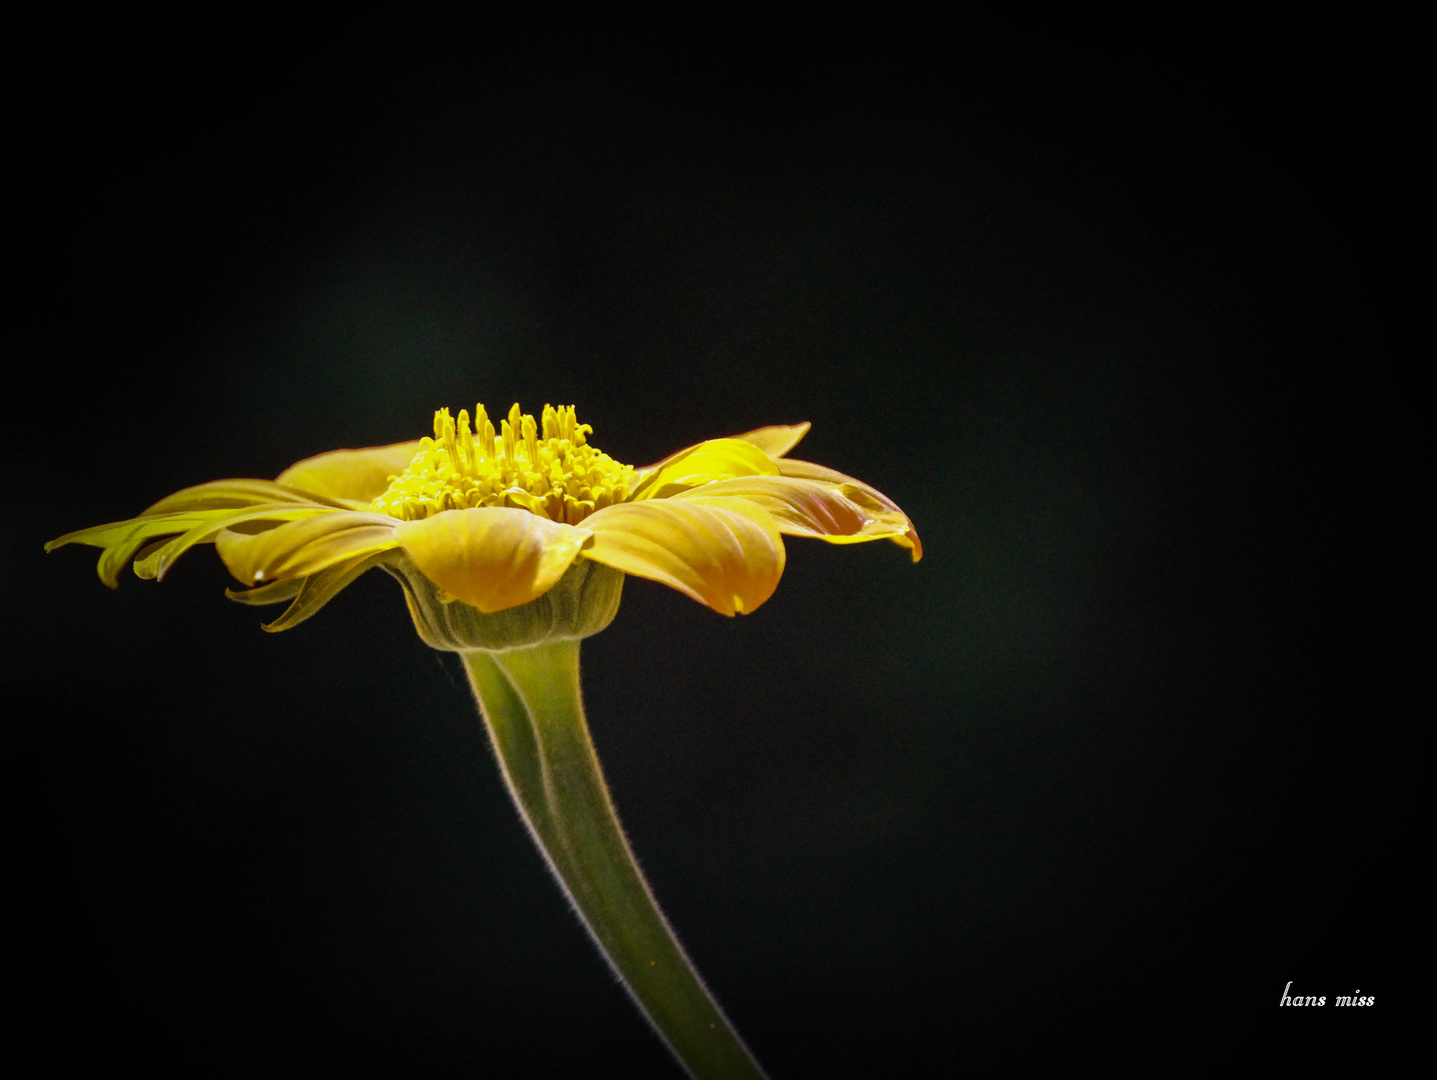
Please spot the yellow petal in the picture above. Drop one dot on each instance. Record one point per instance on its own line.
(807, 470)
(777, 440)
(492, 557)
(155, 564)
(305, 547)
(108, 535)
(137, 533)
(726, 553)
(226, 494)
(717, 459)
(122, 540)
(354, 475)
(276, 592)
(838, 513)
(319, 589)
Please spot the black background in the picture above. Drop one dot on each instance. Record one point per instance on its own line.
(1115, 324)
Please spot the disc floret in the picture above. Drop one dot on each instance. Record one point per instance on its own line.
(547, 468)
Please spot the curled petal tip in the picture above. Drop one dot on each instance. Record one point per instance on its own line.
(776, 440)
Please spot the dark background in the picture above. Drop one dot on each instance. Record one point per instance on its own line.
(1115, 324)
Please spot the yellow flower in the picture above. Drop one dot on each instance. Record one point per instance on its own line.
(511, 546)
(496, 519)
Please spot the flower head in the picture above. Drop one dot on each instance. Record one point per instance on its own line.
(496, 519)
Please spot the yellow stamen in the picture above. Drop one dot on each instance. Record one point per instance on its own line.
(556, 475)
(483, 433)
(466, 442)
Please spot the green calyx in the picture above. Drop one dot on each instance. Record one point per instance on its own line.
(585, 601)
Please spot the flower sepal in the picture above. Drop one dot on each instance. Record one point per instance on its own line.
(584, 601)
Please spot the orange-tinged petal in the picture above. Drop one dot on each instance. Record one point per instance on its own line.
(726, 553)
(305, 547)
(777, 440)
(717, 459)
(807, 470)
(838, 513)
(492, 557)
(354, 475)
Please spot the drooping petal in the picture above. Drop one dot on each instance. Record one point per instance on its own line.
(778, 439)
(138, 532)
(114, 532)
(838, 513)
(299, 548)
(308, 593)
(319, 589)
(228, 494)
(276, 592)
(807, 470)
(717, 459)
(492, 557)
(122, 540)
(155, 564)
(726, 553)
(354, 475)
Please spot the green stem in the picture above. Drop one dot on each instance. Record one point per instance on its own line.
(531, 702)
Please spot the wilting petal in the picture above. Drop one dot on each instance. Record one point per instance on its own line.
(355, 475)
(122, 540)
(492, 557)
(299, 548)
(319, 589)
(228, 494)
(807, 470)
(120, 549)
(155, 564)
(276, 592)
(115, 532)
(717, 459)
(726, 553)
(777, 440)
(838, 513)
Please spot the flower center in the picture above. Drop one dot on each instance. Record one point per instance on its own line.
(557, 475)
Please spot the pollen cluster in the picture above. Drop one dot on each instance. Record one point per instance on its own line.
(549, 470)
